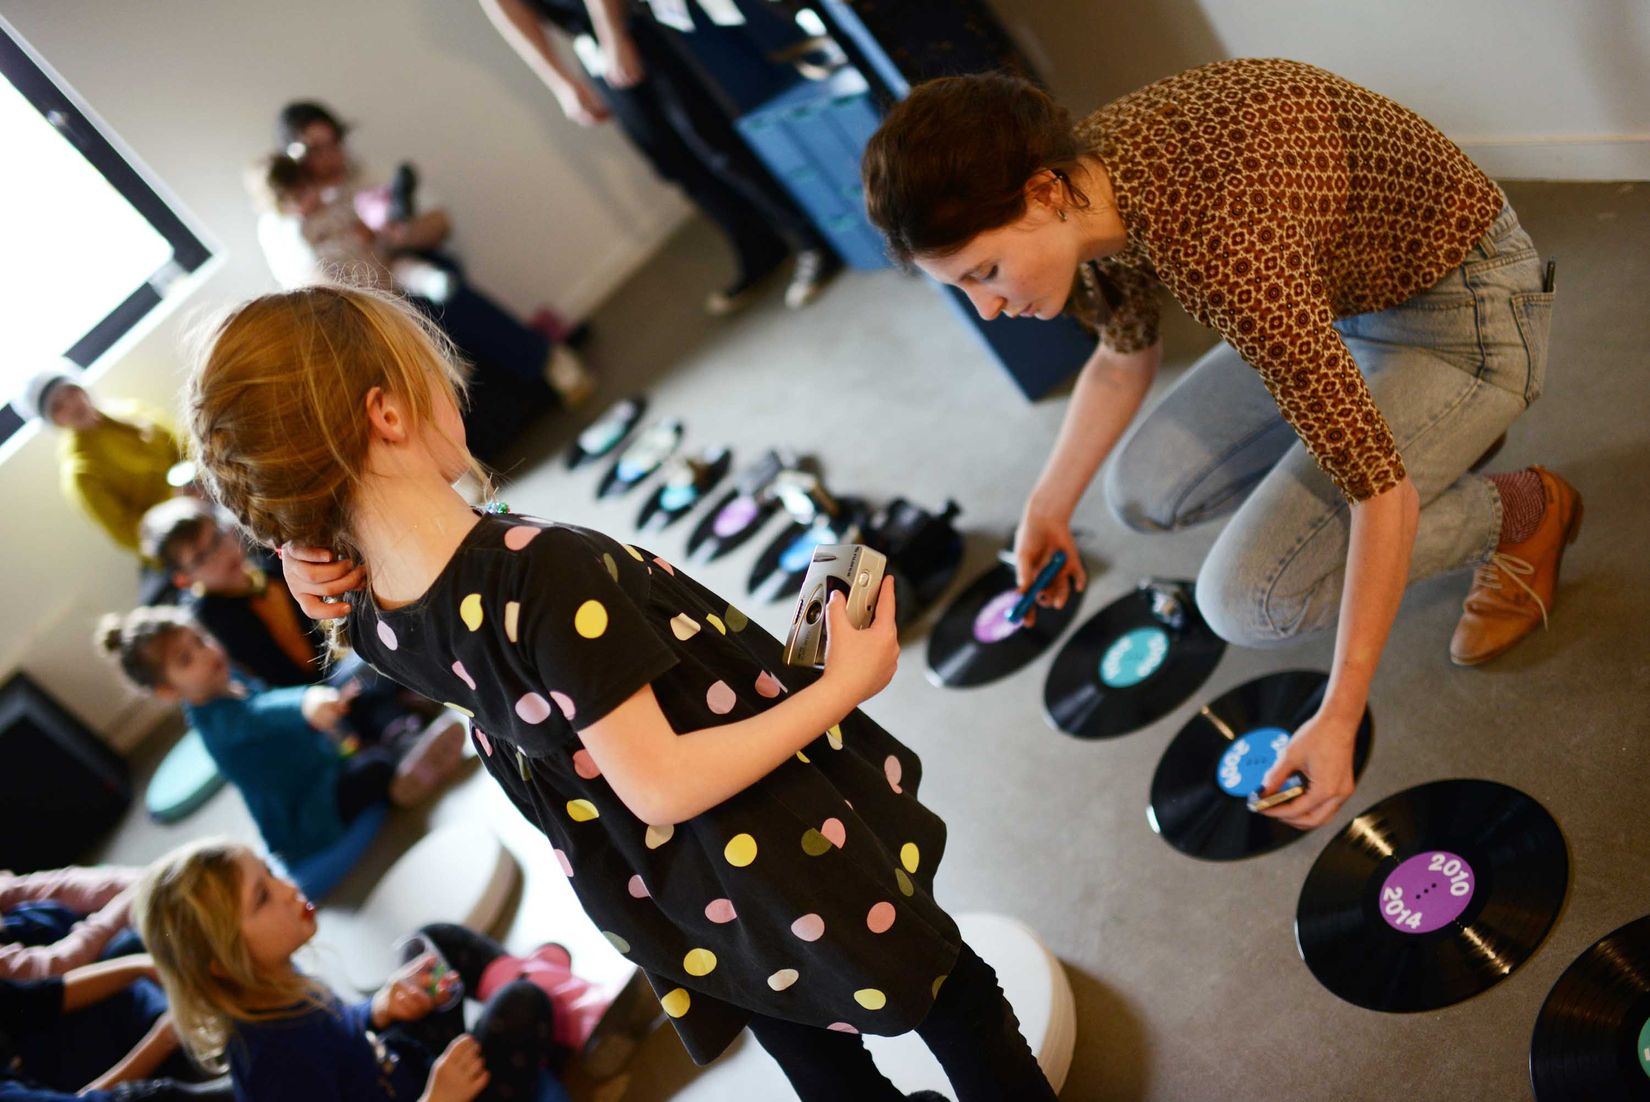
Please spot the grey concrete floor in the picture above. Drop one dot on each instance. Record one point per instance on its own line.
(1187, 979)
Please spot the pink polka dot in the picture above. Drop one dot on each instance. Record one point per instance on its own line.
(561, 859)
(720, 910)
(834, 832)
(520, 536)
(564, 702)
(810, 927)
(585, 765)
(386, 635)
(533, 708)
(842, 1027)
(464, 675)
(668, 568)
(893, 770)
(880, 918)
(482, 740)
(720, 699)
(637, 889)
(768, 685)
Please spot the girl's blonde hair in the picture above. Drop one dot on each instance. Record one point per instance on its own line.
(134, 640)
(188, 909)
(276, 404)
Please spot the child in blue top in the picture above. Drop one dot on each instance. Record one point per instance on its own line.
(226, 928)
(737, 828)
(272, 744)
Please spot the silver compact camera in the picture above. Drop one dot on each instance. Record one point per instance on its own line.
(851, 569)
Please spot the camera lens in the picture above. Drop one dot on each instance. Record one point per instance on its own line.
(814, 609)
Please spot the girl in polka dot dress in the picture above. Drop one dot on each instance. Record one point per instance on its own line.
(733, 826)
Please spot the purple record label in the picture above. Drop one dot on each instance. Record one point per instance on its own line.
(1426, 892)
(991, 623)
(734, 516)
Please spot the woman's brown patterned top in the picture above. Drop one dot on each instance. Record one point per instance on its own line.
(1271, 198)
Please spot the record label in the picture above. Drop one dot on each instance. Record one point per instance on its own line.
(1426, 892)
(734, 516)
(800, 553)
(1135, 656)
(992, 625)
(1644, 1049)
(1244, 765)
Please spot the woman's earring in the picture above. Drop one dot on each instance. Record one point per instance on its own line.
(1060, 213)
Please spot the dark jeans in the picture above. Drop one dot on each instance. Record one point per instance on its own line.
(514, 1029)
(144, 1090)
(971, 1031)
(680, 127)
(365, 781)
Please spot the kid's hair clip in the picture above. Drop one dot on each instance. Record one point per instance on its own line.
(497, 507)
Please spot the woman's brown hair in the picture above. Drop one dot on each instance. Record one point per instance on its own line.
(952, 160)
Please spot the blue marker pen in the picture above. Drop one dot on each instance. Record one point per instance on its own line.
(1044, 576)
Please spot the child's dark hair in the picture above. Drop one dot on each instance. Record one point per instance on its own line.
(297, 116)
(951, 161)
(169, 527)
(134, 641)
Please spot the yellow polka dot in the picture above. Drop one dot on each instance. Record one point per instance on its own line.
(834, 736)
(870, 998)
(909, 857)
(616, 941)
(676, 1003)
(699, 962)
(937, 986)
(803, 758)
(657, 836)
(512, 619)
(582, 811)
(590, 620)
(740, 850)
(904, 882)
(459, 708)
(815, 843)
(715, 621)
(635, 554)
(737, 621)
(469, 610)
(612, 567)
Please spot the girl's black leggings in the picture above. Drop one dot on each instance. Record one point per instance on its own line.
(971, 1031)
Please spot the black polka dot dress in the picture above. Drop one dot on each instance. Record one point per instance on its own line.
(806, 897)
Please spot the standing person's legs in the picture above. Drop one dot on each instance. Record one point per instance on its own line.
(974, 1035)
(823, 1065)
(1450, 370)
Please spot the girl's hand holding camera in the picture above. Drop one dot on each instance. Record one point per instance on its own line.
(861, 660)
(406, 996)
(458, 1074)
(316, 581)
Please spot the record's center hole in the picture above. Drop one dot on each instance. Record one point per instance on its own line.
(1244, 765)
(991, 624)
(1426, 892)
(1133, 656)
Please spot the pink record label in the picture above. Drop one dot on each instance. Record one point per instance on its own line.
(991, 623)
(1426, 892)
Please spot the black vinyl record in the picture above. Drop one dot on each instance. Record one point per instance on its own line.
(606, 432)
(1592, 1037)
(739, 513)
(1134, 662)
(783, 564)
(1431, 896)
(641, 457)
(685, 483)
(974, 644)
(1203, 781)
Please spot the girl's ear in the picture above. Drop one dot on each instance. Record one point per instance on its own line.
(388, 416)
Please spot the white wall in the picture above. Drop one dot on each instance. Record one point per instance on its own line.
(546, 213)
(1531, 88)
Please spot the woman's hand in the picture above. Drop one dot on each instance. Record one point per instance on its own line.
(1321, 750)
(312, 575)
(1039, 536)
(405, 996)
(582, 104)
(861, 660)
(458, 1074)
(624, 62)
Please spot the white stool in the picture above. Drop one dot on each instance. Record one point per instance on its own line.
(460, 873)
(1033, 981)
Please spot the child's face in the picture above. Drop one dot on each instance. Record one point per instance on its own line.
(276, 918)
(214, 560)
(193, 665)
(70, 407)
